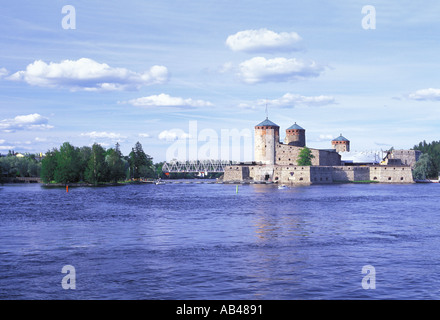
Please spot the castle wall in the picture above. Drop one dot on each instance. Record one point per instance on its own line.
(236, 173)
(391, 174)
(407, 157)
(319, 175)
(292, 174)
(351, 173)
(288, 155)
(261, 172)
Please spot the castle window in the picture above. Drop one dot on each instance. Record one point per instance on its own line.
(401, 178)
(300, 179)
(375, 178)
(389, 178)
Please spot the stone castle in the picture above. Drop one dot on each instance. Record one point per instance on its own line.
(276, 162)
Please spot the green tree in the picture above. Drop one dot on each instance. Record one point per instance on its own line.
(68, 164)
(141, 164)
(305, 157)
(97, 170)
(423, 168)
(433, 151)
(115, 163)
(84, 156)
(48, 166)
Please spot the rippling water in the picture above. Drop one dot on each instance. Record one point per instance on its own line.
(205, 241)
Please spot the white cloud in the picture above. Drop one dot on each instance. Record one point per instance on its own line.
(290, 100)
(3, 72)
(25, 122)
(103, 135)
(426, 94)
(174, 134)
(326, 137)
(260, 69)
(144, 135)
(89, 75)
(38, 139)
(7, 147)
(262, 40)
(226, 67)
(165, 100)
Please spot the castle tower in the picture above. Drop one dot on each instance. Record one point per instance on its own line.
(341, 144)
(267, 135)
(295, 136)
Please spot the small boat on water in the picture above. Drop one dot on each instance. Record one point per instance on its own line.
(158, 181)
(282, 187)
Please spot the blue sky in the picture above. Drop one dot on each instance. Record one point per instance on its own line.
(144, 70)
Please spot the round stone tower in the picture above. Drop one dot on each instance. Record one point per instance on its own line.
(267, 135)
(295, 136)
(341, 144)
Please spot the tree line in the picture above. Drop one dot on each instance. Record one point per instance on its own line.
(12, 166)
(95, 164)
(428, 165)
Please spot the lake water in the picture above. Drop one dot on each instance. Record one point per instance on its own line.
(206, 241)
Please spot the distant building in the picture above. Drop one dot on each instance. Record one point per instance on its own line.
(341, 144)
(402, 157)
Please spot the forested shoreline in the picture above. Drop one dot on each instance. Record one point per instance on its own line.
(428, 165)
(96, 165)
(93, 165)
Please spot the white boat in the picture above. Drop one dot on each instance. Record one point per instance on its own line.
(159, 182)
(282, 187)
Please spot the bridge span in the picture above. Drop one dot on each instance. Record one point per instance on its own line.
(200, 166)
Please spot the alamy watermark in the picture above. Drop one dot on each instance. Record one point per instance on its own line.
(369, 280)
(369, 20)
(69, 20)
(208, 144)
(69, 280)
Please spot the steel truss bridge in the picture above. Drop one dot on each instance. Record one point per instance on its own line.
(197, 166)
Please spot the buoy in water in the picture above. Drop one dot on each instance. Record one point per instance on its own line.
(67, 188)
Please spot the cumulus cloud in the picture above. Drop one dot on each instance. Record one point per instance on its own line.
(174, 134)
(426, 94)
(260, 69)
(165, 100)
(103, 135)
(89, 75)
(262, 40)
(33, 121)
